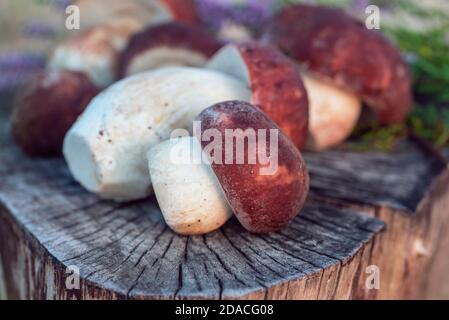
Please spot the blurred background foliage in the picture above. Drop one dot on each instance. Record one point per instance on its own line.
(420, 28)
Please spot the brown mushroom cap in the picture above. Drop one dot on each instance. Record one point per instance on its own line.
(340, 49)
(275, 83)
(261, 202)
(173, 35)
(46, 107)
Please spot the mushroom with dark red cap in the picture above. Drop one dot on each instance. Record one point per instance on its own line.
(265, 194)
(173, 43)
(46, 107)
(337, 52)
(276, 86)
(263, 201)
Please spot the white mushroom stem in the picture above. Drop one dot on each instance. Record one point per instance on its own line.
(105, 149)
(187, 190)
(333, 113)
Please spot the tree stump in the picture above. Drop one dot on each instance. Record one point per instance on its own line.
(369, 216)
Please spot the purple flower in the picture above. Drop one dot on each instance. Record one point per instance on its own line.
(359, 5)
(10, 80)
(39, 29)
(61, 4)
(248, 13)
(21, 60)
(16, 67)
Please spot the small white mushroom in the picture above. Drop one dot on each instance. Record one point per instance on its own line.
(333, 113)
(187, 190)
(105, 149)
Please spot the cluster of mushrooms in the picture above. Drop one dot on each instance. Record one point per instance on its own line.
(113, 93)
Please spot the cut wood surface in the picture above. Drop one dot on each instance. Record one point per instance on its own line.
(397, 180)
(365, 209)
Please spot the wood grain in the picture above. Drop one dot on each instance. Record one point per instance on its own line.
(399, 179)
(128, 249)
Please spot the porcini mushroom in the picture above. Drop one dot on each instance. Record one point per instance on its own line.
(276, 85)
(45, 108)
(106, 147)
(265, 194)
(336, 50)
(167, 44)
(198, 187)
